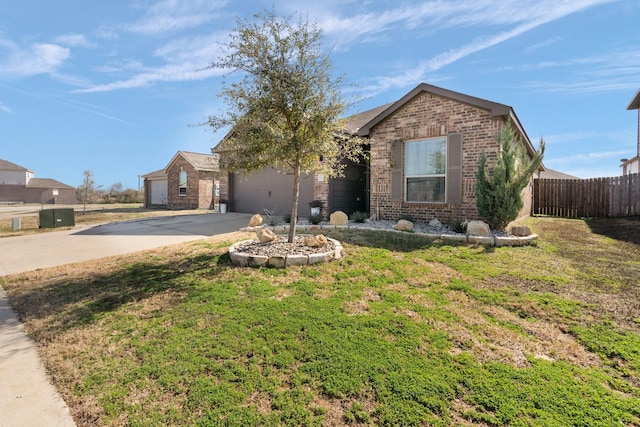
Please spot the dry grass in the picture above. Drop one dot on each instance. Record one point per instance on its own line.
(99, 214)
(420, 333)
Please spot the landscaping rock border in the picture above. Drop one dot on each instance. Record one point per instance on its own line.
(496, 241)
(244, 259)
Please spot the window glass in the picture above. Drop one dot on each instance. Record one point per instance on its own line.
(425, 170)
(182, 183)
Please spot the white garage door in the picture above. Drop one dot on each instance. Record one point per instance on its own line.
(159, 192)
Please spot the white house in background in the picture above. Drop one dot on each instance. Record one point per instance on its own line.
(19, 185)
(632, 165)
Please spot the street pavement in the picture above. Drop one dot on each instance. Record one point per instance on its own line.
(27, 396)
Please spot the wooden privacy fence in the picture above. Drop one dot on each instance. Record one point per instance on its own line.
(595, 198)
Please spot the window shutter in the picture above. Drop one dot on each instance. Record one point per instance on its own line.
(454, 169)
(397, 164)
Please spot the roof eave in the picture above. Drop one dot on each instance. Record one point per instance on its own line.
(494, 108)
(635, 102)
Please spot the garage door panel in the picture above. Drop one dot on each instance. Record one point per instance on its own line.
(159, 191)
(267, 189)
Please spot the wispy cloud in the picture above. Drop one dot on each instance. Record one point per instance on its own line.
(184, 59)
(168, 73)
(583, 136)
(4, 108)
(39, 58)
(525, 15)
(587, 157)
(174, 15)
(73, 40)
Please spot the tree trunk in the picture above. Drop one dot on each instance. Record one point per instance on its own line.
(294, 203)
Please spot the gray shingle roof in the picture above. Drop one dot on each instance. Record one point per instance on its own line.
(46, 183)
(8, 166)
(204, 162)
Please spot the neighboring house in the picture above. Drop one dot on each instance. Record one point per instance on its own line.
(632, 165)
(553, 174)
(187, 182)
(423, 156)
(19, 185)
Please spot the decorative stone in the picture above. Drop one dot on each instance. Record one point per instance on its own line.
(255, 220)
(478, 228)
(520, 230)
(338, 218)
(265, 235)
(316, 241)
(318, 258)
(481, 240)
(404, 225)
(296, 260)
(435, 223)
(277, 261)
(258, 260)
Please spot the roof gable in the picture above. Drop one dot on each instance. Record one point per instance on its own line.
(46, 183)
(155, 174)
(200, 162)
(8, 166)
(635, 102)
(495, 108)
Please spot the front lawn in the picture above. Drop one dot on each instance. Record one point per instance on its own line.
(400, 332)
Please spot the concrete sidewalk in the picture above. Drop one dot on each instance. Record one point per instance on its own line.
(27, 396)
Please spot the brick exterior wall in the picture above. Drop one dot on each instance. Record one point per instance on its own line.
(199, 187)
(429, 115)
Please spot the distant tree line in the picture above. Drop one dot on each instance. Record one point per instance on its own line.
(88, 192)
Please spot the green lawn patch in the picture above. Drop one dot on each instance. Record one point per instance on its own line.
(403, 331)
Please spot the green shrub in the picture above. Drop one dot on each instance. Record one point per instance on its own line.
(359, 217)
(459, 225)
(499, 194)
(315, 219)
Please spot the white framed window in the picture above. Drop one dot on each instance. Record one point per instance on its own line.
(182, 183)
(426, 170)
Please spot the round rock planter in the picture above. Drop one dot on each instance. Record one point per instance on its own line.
(244, 259)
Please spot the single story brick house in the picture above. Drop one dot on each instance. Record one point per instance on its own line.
(423, 155)
(187, 182)
(19, 185)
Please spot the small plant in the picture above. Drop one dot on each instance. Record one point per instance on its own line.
(359, 217)
(272, 219)
(315, 219)
(459, 225)
(287, 218)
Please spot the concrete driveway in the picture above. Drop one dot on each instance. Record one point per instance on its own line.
(83, 243)
(27, 397)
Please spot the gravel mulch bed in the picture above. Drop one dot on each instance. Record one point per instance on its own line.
(282, 246)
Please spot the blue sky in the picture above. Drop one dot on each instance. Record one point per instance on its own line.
(114, 86)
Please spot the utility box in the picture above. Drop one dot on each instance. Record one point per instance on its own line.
(53, 218)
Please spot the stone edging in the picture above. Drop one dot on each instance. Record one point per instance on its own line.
(496, 241)
(243, 259)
